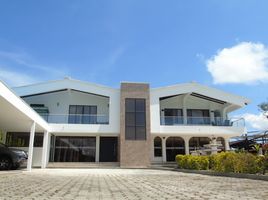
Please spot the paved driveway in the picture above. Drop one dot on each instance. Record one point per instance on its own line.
(125, 184)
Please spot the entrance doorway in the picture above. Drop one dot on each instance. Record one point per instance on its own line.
(174, 146)
(108, 149)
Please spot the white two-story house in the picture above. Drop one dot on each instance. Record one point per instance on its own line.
(69, 121)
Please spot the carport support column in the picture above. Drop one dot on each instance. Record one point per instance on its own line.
(30, 151)
(45, 150)
(164, 154)
(97, 159)
(186, 142)
(226, 142)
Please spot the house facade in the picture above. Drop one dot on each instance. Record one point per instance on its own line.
(70, 121)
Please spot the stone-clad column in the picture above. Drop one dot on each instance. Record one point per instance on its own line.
(135, 152)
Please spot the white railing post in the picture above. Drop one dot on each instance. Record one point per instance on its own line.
(30, 151)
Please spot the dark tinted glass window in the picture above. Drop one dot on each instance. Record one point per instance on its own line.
(140, 119)
(15, 139)
(135, 119)
(140, 133)
(130, 105)
(73, 149)
(130, 119)
(130, 133)
(157, 147)
(140, 105)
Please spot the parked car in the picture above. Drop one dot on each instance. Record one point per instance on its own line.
(11, 158)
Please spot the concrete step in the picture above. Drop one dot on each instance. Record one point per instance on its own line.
(83, 165)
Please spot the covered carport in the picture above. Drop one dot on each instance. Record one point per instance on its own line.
(17, 116)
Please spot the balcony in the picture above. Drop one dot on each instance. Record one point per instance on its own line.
(203, 121)
(76, 119)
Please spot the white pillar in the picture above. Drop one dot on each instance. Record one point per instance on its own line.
(45, 150)
(186, 141)
(226, 142)
(164, 154)
(97, 153)
(30, 151)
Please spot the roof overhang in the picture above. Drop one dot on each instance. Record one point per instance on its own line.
(16, 115)
(66, 83)
(200, 91)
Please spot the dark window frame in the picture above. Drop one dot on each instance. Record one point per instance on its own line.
(138, 129)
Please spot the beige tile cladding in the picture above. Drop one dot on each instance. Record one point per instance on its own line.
(135, 153)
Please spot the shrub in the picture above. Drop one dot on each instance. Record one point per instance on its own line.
(193, 162)
(225, 162)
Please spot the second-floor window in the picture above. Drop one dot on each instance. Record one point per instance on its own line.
(173, 116)
(198, 116)
(82, 114)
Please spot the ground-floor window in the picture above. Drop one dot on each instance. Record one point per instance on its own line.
(21, 139)
(174, 146)
(72, 149)
(157, 147)
(197, 143)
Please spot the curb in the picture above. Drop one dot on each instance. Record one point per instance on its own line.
(232, 175)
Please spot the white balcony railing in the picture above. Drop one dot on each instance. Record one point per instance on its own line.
(218, 121)
(76, 118)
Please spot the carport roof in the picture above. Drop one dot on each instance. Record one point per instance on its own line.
(16, 115)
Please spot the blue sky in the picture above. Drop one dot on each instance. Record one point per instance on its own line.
(159, 42)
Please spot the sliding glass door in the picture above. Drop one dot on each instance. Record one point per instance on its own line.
(73, 149)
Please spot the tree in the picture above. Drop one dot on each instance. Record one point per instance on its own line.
(264, 108)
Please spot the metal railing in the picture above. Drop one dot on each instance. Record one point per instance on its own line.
(76, 119)
(217, 121)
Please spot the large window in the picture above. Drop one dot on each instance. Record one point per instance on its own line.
(135, 119)
(81, 114)
(15, 139)
(197, 116)
(72, 149)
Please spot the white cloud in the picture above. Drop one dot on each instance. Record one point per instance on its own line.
(15, 79)
(245, 62)
(259, 122)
